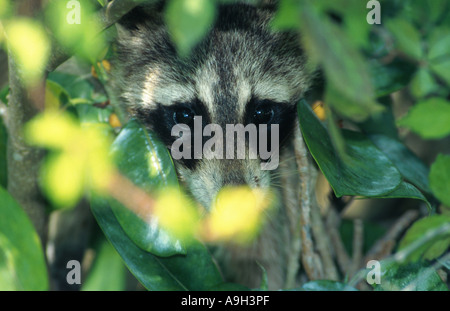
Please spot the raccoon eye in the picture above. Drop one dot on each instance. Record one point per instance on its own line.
(183, 115)
(263, 114)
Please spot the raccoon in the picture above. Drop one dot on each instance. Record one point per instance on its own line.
(242, 72)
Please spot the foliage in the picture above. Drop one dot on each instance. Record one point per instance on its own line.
(411, 276)
(108, 271)
(189, 28)
(31, 60)
(362, 65)
(80, 158)
(22, 264)
(439, 242)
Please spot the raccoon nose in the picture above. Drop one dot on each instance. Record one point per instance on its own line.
(233, 176)
(234, 180)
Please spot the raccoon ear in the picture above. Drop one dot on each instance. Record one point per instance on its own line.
(122, 32)
(139, 16)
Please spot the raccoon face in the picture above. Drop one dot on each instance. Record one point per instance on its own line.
(241, 73)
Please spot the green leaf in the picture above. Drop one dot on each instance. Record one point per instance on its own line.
(349, 89)
(193, 271)
(229, 287)
(383, 123)
(22, 263)
(88, 113)
(440, 178)
(445, 263)
(55, 95)
(425, 13)
(189, 21)
(409, 165)
(406, 36)
(429, 118)
(4, 92)
(391, 77)
(366, 171)
(264, 280)
(335, 133)
(412, 276)
(350, 12)
(3, 163)
(75, 85)
(145, 160)
(435, 247)
(107, 272)
(76, 28)
(405, 190)
(371, 234)
(287, 16)
(439, 43)
(150, 165)
(346, 106)
(6, 9)
(423, 83)
(441, 67)
(326, 285)
(439, 52)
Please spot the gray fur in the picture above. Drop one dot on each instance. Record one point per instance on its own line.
(227, 69)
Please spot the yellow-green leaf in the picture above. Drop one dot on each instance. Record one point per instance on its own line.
(30, 46)
(406, 36)
(189, 21)
(237, 214)
(429, 118)
(79, 157)
(433, 248)
(51, 130)
(440, 178)
(62, 179)
(177, 214)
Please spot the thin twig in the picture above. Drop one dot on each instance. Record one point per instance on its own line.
(358, 243)
(441, 263)
(429, 236)
(401, 256)
(385, 245)
(333, 222)
(311, 261)
(321, 239)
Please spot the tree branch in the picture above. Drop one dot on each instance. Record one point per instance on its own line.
(23, 160)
